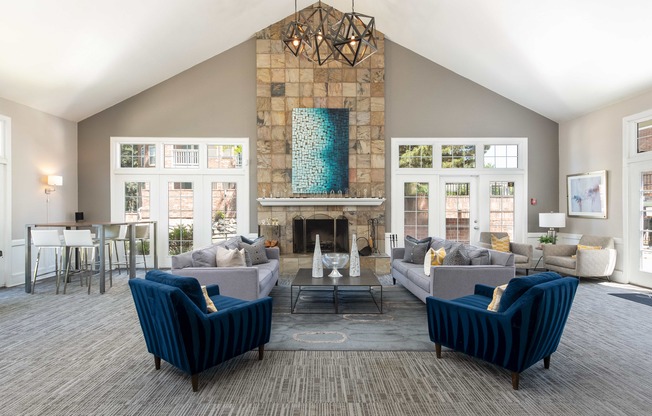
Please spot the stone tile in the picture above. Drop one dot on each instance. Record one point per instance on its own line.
(264, 133)
(378, 118)
(377, 60)
(306, 75)
(307, 90)
(320, 89)
(349, 75)
(278, 103)
(263, 60)
(264, 175)
(350, 103)
(336, 102)
(349, 89)
(264, 147)
(278, 118)
(378, 147)
(378, 104)
(278, 162)
(263, 76)
(278, 60)
(377, 161)
(292, 75)
(263, 46)
(263, 118)
(277, 46)
(278, 133)
(263, 90)
(364, 90)
(363, 118)
(263, 161)
(278, 75)
(278, 89)
(363, 75)
(320, 75)
(378, 89)
(364, 104)
(335, 75)
(292, 89)
(377, 75)
(335, 89)
(364, 134)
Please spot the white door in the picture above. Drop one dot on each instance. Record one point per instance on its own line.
(3, 225)
(458, 217)
(639, 228)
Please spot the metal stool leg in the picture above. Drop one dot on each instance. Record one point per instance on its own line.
(38, 259)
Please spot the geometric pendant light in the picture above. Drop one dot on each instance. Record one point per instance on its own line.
(354, 38)
(296, 35)
(319, 21)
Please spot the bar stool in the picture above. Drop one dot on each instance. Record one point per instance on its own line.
(82, 241)
(112, 233)
(47, 239)
(141, 234)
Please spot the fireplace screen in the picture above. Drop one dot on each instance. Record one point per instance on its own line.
(333, 234)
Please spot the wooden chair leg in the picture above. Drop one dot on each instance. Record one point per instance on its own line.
(515, 380)
(157, 362)
(194, 379)
(261, 351)
(546, 362)
(438, 350)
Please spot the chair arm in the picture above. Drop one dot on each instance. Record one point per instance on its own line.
(595, 262)
(484, 290)
(213, 290)
(522, 249)
(559, 250)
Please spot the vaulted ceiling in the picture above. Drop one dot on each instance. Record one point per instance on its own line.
(560, 58)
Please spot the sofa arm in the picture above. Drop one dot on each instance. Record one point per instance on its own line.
(595, 263)
(484, 290)
(398, 253)
(273, 253)
(213, 290)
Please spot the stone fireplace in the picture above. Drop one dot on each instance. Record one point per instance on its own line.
(285, 82)
(333, 234)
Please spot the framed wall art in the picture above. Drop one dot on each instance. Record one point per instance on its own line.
(587, 194)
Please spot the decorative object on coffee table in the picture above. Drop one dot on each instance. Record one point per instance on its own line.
(354, 263)
(317, 267)
(335, 261)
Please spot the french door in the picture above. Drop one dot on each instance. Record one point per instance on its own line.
(458, 207)
(191, 211)
(639, 224)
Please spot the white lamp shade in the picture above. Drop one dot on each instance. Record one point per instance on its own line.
(55, 180)
(552, 220)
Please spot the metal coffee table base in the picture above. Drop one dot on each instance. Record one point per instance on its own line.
(304, 282)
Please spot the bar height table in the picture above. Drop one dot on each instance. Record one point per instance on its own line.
(99, 226)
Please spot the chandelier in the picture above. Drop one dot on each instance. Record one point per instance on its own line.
(317, 36)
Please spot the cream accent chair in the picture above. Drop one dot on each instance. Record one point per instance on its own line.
(587, 263)
(522, 252)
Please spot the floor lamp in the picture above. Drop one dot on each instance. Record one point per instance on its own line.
(551, 221)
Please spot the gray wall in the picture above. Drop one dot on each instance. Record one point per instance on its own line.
(424, 99)
(216, 98)
(41, 145)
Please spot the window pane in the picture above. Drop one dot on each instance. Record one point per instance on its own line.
(223, 210)
(646, 222)
(416, 218)
(181, 156)
(224, 156)
(458, 206)
(412, 156)
(501, 207)
(181, 208)
(137, 155)
(644, 136)
(501, 156)
(137, 201)
(458, 156)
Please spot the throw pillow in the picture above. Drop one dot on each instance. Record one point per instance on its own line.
(500, 244)
(457, 257)
(415, 250)
(210, 306)
(479, 256)
(255, 253)
(204, 257)
(582, 247)
(519, 285)
(229, 258)
(495, 301)
(183, 260)
(433, 258)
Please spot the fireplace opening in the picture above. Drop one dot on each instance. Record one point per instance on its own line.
(333, 234)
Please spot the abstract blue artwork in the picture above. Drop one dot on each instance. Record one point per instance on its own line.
(320, 150)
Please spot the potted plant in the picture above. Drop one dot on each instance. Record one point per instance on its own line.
(547, 239)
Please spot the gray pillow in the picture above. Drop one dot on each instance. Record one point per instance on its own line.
(457, 257)
(478, 255)
(204, 257)
(448, 245)
(415, 250)
(255, 253)
(181, 261)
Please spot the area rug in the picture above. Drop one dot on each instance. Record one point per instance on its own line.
(403, 325)
(643, 298)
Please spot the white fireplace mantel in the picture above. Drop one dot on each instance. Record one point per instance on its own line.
(283, 202)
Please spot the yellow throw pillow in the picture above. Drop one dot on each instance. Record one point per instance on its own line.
(210, 306)
(500, 244)
(495, 301)
(581, 247)
(433, 258)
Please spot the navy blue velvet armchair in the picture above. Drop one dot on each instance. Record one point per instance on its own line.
(526, 328)
(173, 315)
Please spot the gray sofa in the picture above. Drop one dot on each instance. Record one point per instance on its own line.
(449, 282)
(246, 283)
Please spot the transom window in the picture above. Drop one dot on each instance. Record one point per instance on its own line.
(501, 156)
(227, 156)
(644, 136)
(415, 156)
(181, 156)
(457, 156)
(137, 155)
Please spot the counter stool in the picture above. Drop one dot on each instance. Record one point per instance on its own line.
(82, 241)
(47, 239)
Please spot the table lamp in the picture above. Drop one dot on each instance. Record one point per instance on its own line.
(552, 220)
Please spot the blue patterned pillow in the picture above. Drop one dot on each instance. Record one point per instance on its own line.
(519, 285)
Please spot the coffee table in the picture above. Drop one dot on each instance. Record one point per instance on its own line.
(305, 282)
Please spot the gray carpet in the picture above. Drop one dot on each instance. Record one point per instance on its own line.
(80, 355)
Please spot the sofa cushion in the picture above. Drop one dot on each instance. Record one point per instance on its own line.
(229, 258)
(448, 245)
(415, 250)
(416, 276)
(561, 261)
(457, 257)
(188, 285)
(519, 285)
(255, 252)
(479, 256)
(204, 257)
(520, 259)
(402, 266)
